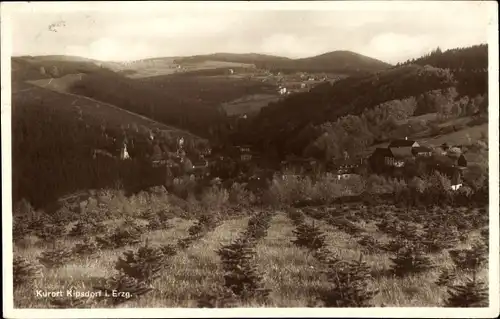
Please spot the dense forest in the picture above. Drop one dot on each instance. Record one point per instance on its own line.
(52, 156)
(53, 146)
(469, 66)
(423, 86)
(139, 97)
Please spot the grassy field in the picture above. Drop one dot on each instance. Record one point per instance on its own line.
(214, 90)
(276, 254)
(249, 104)
(167, 66)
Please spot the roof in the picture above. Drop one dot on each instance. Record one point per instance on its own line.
(200, 163)
(383, 152)
(419, 149)
(401, 143)
(444, 160)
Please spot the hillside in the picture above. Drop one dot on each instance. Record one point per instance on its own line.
(370, 100)
(344, 62)
(283, 120)
(338, 61)
(182, 111)
(247, 58)
(43, 67)
(55, 132)
(469, 66)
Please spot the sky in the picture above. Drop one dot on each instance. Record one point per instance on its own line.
(389, 31)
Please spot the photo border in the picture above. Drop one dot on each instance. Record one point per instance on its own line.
(395, 312)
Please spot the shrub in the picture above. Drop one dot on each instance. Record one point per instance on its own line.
(257, 226)
(377, 184)
(240, 274)
(185, 187)
(87, 227)
(410, 259)
(87, 248)
(51, 232)
(56, 258)
(289, 189)
(145, 264)
(326, 190)
(309, 236)
(168, 250)
(473, 293)
(238, 195)
(219, 297)
(119, 237)
(24, 272)
(438, 237)
(469, 259)
(370, 244)
(350, 285)
(20, 229)
(446, 278)
(214, 198)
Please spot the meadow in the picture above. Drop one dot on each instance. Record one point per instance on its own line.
(167, 252)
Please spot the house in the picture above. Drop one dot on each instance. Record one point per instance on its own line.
(201, 168)
(346, 176)
(444, 148)
(246, 157)
(245, 153)
(298, 164)
(244, 148)
(421, 151)
(402, 148)
(206, 151)
(454, 173)
(200, 164)
(382, 159)
(346, 166)
(124, 153)
(159, 162)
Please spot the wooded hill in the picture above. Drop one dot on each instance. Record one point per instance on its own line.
(342, 62)
(301, 116)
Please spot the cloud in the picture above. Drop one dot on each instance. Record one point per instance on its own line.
(394, 46)
(389, 35)
(173, 26)
(108, 49)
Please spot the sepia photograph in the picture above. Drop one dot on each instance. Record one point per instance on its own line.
(250, 159)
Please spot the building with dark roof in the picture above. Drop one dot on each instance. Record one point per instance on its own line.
(421, 151)
(381, 159)
(403, 143)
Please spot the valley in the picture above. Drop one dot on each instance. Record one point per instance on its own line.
(248, 180)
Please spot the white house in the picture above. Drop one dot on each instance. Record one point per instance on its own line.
(124, 153)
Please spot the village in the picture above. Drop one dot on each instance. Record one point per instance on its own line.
(223, 165)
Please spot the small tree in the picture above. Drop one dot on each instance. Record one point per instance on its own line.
(473, 293)
(350, 285)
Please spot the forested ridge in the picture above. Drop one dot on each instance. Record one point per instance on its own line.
(435, 81)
